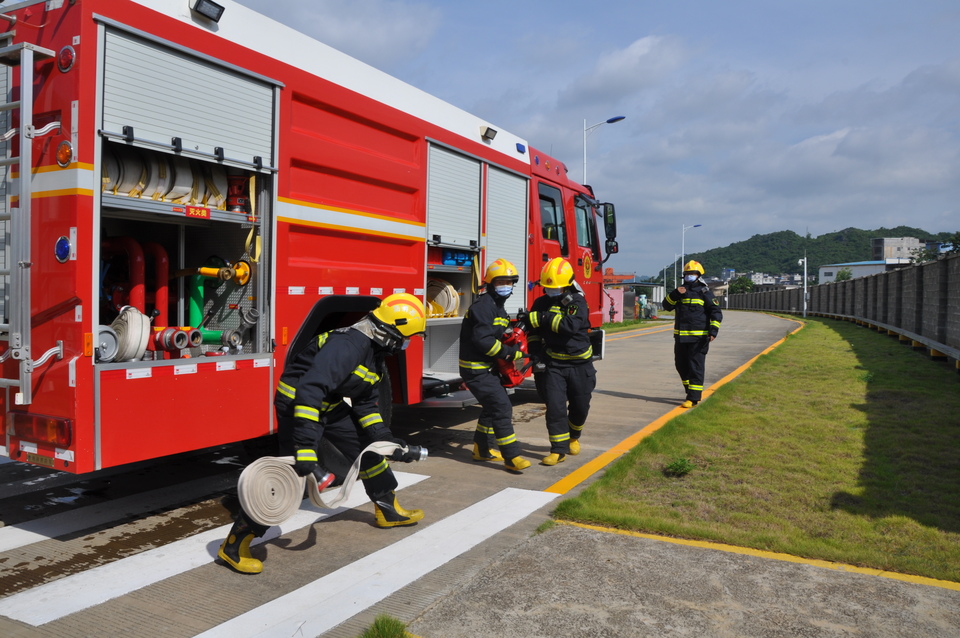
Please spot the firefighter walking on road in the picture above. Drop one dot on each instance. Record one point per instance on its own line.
(696, 324)
(330, 391)
(559, 322)
(480, 348)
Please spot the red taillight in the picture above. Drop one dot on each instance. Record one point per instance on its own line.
(66, 58)
(40, 429)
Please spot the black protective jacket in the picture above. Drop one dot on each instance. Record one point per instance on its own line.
(698, 313)
(559, 329)
(480, 333)
(343, 363)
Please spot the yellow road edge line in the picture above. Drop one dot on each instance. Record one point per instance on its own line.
(788, 558)
(639, 332)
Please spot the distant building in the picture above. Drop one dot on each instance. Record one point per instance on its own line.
(762, 279)
(631, 281)
(828, 272)
(898, 248)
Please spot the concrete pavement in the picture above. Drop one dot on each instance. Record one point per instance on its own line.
(475, 565)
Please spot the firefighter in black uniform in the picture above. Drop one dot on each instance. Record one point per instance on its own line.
(311, 403)
(559, 322)
(480, 347)
(696, 324)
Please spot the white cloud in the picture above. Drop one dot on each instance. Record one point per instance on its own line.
(383, 33)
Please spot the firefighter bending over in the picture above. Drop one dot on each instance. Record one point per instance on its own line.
(559, 322)
(696, 324)
(346, 363)
(480, 347)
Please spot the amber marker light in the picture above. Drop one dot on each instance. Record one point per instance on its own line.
(64, 153)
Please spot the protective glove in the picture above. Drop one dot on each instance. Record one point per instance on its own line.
(522, 318)
(398, 454)
(306, 462)
(413, 453)
(526, 364)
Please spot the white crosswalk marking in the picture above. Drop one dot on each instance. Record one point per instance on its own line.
(98, 585)
(329, 601)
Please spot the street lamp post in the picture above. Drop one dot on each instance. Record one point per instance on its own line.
(587, 129)
(683, 237)
(804, 262)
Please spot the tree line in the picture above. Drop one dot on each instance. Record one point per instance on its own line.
(777, 253)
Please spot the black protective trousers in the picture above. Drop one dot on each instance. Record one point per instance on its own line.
(566, 392)
(690, 359)
(496, 412)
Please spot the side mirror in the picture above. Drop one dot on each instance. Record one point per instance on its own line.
(609, 221)
(612, 247)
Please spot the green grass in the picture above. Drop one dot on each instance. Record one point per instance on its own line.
(385, 627)
(841, 444)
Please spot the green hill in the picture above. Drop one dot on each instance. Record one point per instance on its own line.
(777, 253)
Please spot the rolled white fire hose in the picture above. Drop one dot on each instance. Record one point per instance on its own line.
(271, 492)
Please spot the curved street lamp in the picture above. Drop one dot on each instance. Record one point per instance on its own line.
(587, 129)
(683, 237)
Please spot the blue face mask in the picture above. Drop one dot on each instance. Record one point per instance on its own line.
(553, 292)
(406, 344)
(503, 291)
(689, 278)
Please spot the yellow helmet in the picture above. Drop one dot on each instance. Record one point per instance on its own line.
(557, 273)
(693, 266)
(404, 312)
(501, 268)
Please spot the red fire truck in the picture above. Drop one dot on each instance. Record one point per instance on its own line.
(192, 189)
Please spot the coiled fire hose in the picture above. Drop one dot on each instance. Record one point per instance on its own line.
(271, 492)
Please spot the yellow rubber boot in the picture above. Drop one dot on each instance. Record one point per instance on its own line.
(574, 447)
(516, 464)
(390, 514)
(553, 459)
(491, 454)
(235, 552)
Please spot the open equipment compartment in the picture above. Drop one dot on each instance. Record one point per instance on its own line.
(181, 248)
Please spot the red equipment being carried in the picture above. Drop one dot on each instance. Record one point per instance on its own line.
(195, 200)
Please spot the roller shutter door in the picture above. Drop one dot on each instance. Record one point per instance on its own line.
(453, 198)
(165, 93)
(507, 225)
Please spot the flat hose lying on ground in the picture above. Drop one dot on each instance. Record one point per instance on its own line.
(271, 492)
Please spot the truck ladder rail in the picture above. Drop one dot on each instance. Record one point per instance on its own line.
(17, 258)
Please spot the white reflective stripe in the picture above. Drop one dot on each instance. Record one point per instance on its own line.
(47, 181)
(349, 220)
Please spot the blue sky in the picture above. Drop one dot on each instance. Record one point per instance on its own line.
(744, 116)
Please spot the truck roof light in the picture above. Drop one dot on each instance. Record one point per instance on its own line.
(208, 9)
(40, 429)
